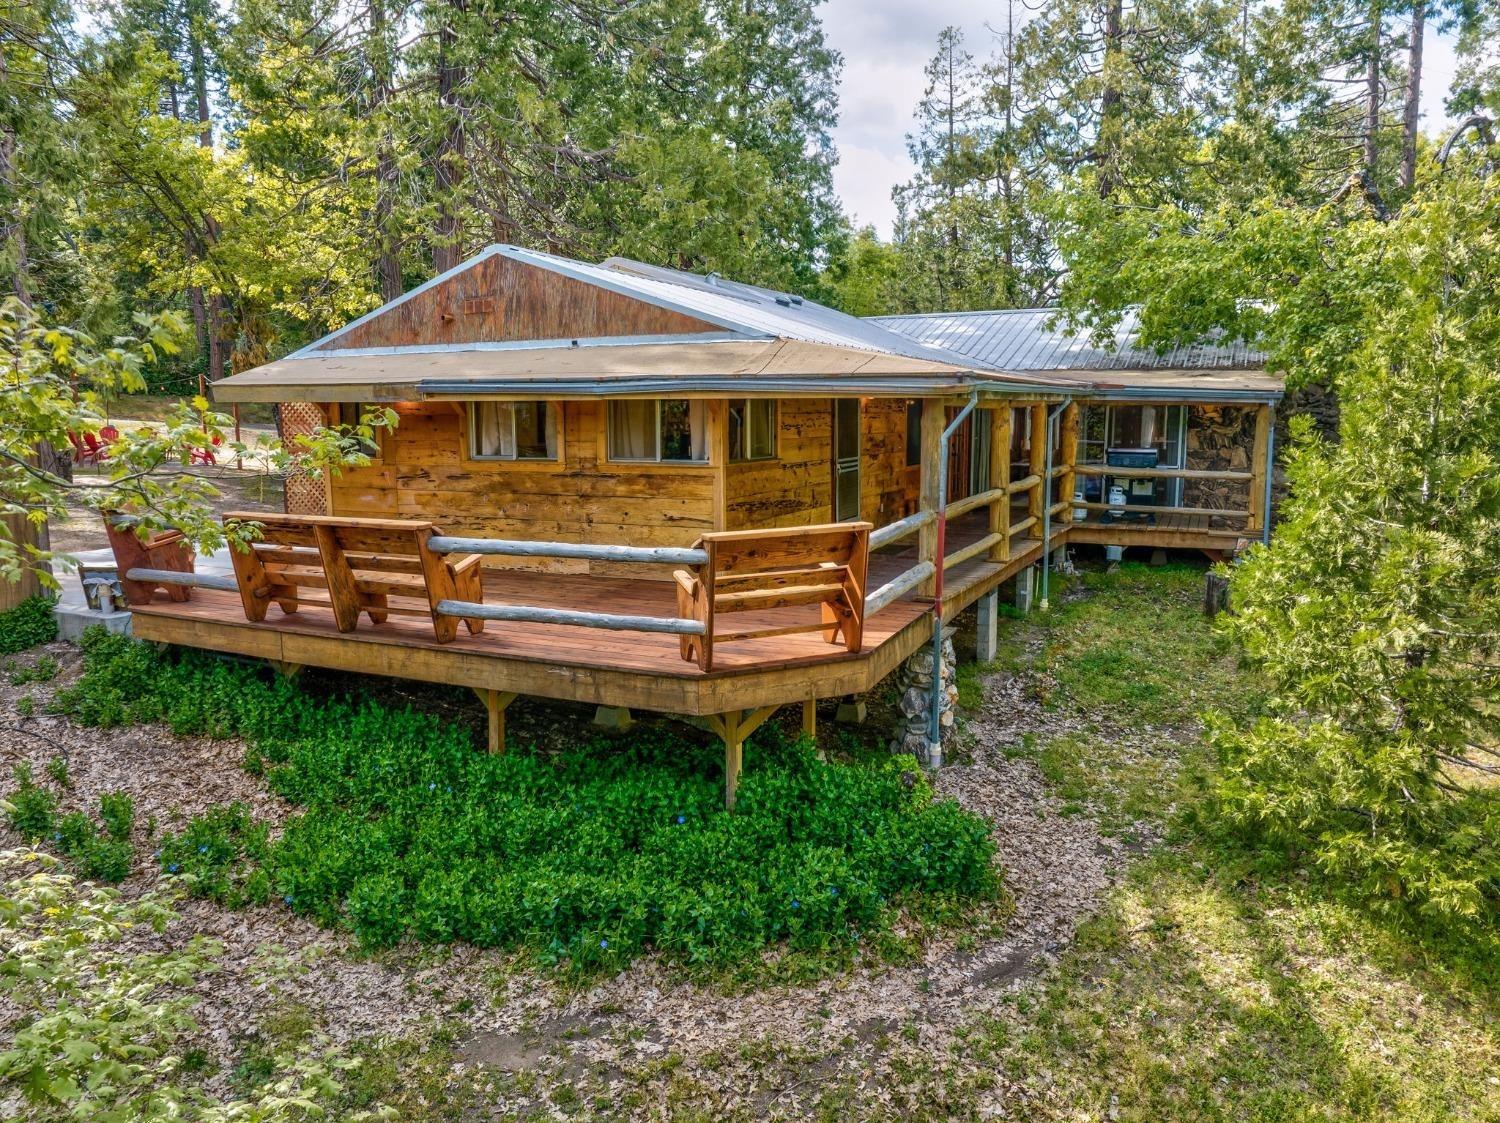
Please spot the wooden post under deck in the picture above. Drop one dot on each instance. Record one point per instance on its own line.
(810, 718)
(1067, 455)
(934, 420)
(1259, 466)
(733, 728)
(495, 703)
(1000, 437)
(1041, 495)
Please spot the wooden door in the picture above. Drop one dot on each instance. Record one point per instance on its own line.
(846, 423)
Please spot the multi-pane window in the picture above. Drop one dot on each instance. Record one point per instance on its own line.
(658, 429)
(345, 416)
(512, 431)
(752, 429)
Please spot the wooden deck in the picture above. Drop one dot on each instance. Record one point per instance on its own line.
(628, 669)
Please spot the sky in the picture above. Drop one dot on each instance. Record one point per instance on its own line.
(885, 44)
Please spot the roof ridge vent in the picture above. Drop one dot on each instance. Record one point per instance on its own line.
(797, 300)
(783, 300)
(713, 278)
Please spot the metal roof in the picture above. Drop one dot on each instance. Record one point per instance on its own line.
(1025, 340)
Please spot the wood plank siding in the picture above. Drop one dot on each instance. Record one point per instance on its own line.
(498, 300)
(795, 488)
(424, 471)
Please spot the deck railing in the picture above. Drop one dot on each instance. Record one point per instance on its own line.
(530, 614)
(1249, 514)
(899, 586)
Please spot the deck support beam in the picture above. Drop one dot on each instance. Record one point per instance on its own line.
(733, 728)
(495, 703)
(810, 718)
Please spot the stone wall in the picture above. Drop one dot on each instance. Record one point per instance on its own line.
(1219, 439)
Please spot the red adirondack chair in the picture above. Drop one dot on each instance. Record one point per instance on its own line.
(205, 455)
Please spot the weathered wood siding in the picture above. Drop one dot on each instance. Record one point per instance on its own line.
(424, 472)
(796, 488)
(498, 299)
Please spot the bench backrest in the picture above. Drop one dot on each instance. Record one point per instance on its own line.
(344, 549)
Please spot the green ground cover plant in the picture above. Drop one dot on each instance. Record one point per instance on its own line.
(28, 624)
(587, 857)
(106, 1034)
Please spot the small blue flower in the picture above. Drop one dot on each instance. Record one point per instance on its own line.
(286, 900)
(57, 836)
(203, 849)
(173, 868)
(682, 818)
(604, 943)
(432, 787)
(833, 890)
(795, 905)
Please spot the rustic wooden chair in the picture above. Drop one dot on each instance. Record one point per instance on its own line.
(750, 570)
(379, 567)
(163, 549)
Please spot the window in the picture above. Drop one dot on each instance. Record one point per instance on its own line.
(752, 429)
(658, 429)
(512, 431)
(345, 416)
(914, 433)
(1133, 426)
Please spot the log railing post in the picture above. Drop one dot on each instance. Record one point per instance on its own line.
(1000, 437)
(1041, 492)
(933, 420)
(1259, 466)
(1067, 457)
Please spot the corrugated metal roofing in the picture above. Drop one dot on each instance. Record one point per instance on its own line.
(1024, 340)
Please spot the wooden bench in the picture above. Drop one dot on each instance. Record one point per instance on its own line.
(379, 567)
(756, 570)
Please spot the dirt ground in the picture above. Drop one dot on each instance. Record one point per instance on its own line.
(647, 1042)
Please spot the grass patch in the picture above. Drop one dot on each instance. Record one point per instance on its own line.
(1196, 996)
(1133, 645)
(586, 858)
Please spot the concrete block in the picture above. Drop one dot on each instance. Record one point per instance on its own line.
(73, 618)
(614, 719)
(851, 713)
(987, 627)
(1025, 589)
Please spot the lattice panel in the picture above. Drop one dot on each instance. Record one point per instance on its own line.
(305, 494)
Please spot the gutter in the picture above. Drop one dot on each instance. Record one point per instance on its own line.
(934, 708)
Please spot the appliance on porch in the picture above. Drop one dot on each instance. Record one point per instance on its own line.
(1138, 491)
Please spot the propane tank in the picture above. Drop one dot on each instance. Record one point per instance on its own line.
(1116, 500)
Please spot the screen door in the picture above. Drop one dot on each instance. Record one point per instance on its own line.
(845, 459)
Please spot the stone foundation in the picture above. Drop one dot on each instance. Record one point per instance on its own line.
(915, 682)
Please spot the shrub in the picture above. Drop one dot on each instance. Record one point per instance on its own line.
(44, 669)
(33, 809)
(31, 622)
(586, 858)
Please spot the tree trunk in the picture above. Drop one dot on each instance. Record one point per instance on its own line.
(1413, 96)
(449, 169)
(15, 228)
(1111, 101)
(1372, 97)
(388, 255)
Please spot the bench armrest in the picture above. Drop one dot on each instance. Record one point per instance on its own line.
(687, 580)
(465, 563)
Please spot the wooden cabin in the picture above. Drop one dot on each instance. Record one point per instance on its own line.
(678, 493)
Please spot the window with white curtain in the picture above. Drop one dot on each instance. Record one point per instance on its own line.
(512, 431)
(658, 429)
(752, 429)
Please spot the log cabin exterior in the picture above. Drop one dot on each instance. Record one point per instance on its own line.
(600, 433)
